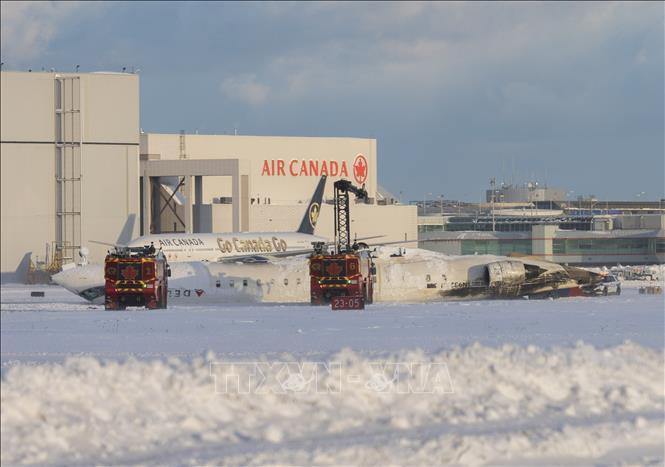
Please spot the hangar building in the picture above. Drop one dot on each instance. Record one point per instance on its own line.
(69, 163)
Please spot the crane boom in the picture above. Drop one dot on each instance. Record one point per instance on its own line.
(342, 221)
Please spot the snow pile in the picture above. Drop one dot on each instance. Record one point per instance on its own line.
(473, 405)
(648, 273)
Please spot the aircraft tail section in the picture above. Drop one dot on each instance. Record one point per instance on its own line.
(308, 222)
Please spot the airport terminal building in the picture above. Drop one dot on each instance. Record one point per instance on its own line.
(76, 169)
(580, 239)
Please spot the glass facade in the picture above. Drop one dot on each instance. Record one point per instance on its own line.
(430, 228)
(563, 246)
(600, 246)
(505, 224)
(496, 247)
(659, 245)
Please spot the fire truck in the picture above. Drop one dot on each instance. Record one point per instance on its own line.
(345, 278)
(136, 276)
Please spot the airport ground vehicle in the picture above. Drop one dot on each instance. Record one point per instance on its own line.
(610, 285)
(342, 275)
(135, 277)
(345, 278)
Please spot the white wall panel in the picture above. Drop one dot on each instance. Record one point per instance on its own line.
(110, 194)
(27, 200)
(27, 106)
(111, 108)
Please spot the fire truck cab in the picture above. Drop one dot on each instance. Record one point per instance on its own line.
(135, 277)
(342, 275)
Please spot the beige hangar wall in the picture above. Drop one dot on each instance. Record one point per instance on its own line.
(102, 115)
(281, 168)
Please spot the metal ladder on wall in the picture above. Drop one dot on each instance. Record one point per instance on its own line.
(68, 166)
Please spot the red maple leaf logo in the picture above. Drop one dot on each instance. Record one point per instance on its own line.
(360, 169)
(333, 269)
(199, 292)
(129, 273)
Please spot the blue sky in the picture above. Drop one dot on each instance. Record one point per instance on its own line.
(571, 94)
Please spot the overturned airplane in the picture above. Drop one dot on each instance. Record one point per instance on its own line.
(402, 275)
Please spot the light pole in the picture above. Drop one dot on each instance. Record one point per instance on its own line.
(639, 195)
(441, 202)
(425, 203)
(492, 184)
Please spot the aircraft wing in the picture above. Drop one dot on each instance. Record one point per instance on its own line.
(116, 245)
(254, 258)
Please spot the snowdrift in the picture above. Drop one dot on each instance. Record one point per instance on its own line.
(508, 404)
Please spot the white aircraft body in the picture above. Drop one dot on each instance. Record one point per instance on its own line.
(402, 275)
(245, 246)
(248, 246)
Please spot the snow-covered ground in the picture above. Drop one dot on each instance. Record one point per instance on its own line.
(573, 381)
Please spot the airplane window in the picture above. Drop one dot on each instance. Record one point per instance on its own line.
(258, 282)
(298, 281)
(218, 284)
(244, 282)
(286, 281)
(231, 283)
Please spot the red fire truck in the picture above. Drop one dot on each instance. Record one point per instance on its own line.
(345, 278)
(135, 277)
